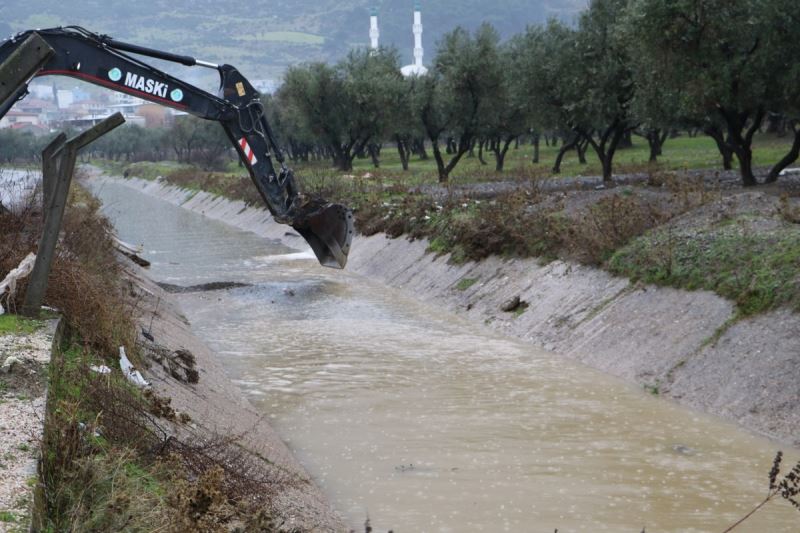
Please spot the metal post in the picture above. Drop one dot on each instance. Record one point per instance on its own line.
(21, 66)
(56, 203)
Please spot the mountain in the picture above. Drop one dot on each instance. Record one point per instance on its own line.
(262, 37)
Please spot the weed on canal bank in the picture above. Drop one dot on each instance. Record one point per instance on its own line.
(750, 259)
(115, 457)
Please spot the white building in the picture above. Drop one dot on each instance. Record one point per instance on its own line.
(64, 98)
(416, 68)
(123, 99)
(373, 29)
(41, 91)
(265, 86)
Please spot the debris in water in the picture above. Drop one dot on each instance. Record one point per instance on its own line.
(203, 287)
(683, 449)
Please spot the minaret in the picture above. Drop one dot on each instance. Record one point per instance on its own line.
(373, 28)
(417, 28)
(416, 68)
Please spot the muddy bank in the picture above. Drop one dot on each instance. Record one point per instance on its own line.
(672, 343)
(218, 409)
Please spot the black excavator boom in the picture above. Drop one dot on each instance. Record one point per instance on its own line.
(101, 60)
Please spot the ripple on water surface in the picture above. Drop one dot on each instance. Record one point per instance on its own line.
(428, 423)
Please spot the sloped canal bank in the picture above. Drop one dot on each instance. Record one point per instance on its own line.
(427, 422)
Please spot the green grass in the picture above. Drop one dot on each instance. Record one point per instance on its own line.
(655, 390)
(465, 283)
(7, 516)
(104, 481)
(678, 154)
(756, 269)
(146, 170)
(17, 325)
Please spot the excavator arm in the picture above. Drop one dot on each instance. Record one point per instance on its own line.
(101, 60)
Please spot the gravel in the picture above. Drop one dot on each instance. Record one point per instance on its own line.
(22, 404)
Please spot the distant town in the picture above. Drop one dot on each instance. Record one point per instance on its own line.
(48, 108)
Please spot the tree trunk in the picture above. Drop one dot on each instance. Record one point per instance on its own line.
(566, 147)
(374, 152)
(655, 139)
(444, 175)
(581, 147)
(742, 144)
(500, 152)
(536, 148)
(344, 164)
(724, 148)
(745, 157)
(776, 124)
(403, 152)
(607, 146)
(608, 160)
(789, 158)
(626, 141)
(342, 159)
(443, 168)
(481, 143)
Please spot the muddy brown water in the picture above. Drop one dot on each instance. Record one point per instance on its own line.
(422, 421)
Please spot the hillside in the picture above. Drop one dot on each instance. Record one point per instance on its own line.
(263, 37)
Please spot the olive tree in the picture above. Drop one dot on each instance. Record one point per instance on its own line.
(784, 20)
(718, 56)
(544, 59)
(454, 99)
(346, 106)
(598, 94)
(506, 110)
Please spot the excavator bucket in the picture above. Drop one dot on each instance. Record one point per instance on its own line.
(328, 229)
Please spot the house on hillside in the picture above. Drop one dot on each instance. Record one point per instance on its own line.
(15, 119)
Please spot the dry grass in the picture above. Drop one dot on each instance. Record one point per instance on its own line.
(603, 227)
(116, 458)
(236, 187)
(84, 281)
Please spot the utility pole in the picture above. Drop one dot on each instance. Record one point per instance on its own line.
(58, 166)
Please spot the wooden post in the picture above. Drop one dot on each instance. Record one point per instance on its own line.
(50, 170)
(57, 202)
(21, 66)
